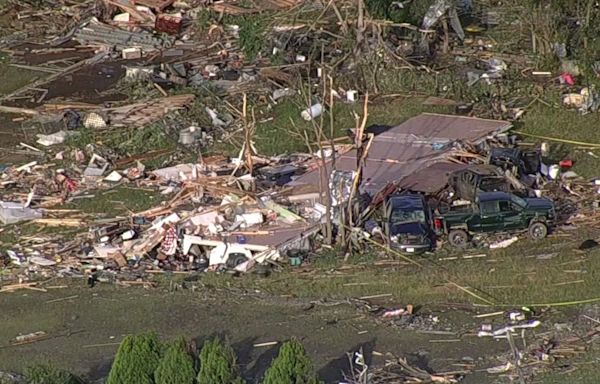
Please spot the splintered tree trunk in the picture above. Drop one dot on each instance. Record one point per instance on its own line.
(361, 154)
(360, 27)
(248, 133)
(446, 36)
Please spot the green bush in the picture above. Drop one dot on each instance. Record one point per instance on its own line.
(176, 366)
(47, 374)
(292, 365)
(217, 364)
(386, 10)
(137, 359)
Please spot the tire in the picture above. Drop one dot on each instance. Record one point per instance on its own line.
(458, 238)
(235, 259)
(195, 250)
(538, 230)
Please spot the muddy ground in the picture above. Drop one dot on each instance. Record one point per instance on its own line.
(85, 330)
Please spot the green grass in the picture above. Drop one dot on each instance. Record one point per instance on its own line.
(284, 133)
(118, 201)
(126, 142)
(14, 78)
(11, 234)
(252, 32)
(565, 124)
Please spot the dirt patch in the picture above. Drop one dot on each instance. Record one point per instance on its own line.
(88, 84)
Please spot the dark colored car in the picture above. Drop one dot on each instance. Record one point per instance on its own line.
(495, 212)
(407, 223)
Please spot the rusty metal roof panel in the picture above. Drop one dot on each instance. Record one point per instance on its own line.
(431, 179)
(407, 151)
(432, 126)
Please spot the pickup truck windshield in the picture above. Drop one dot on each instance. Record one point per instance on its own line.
(407, 216)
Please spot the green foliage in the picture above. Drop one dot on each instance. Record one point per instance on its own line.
(217, 364)
(125, 142)
(86, 136)
(252, 32)
(386, 10)
(138, 89)
(417, 10)
(176, 366)
(292, 365)
(139, 140)
(137, 359)
(47, 374)
(204, 19)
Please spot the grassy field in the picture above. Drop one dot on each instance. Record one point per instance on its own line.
(85, 326)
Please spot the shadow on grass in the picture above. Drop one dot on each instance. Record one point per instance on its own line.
(335, 370)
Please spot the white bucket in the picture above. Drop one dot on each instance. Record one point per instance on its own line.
(352, 95)
(310, 113)
(186, 137)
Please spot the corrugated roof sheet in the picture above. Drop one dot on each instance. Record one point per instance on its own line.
(407, 151)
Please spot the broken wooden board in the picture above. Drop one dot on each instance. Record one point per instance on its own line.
(60, 222)
(142, 114)
(432, 100)
(20, 111)
(52, 107)
(29, 338)
(157, 5)
(129, 7)
(265, 5)
(14, 287)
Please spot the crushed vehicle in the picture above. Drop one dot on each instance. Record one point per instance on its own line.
(407, 223)
(521, 163)
(495, 212)
(469, 182)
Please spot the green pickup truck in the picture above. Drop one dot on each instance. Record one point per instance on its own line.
(496, 212)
